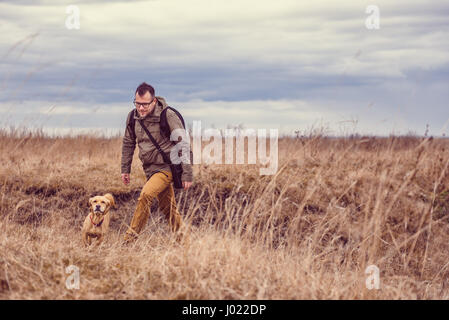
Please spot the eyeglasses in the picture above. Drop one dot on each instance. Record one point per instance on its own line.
(145, 105)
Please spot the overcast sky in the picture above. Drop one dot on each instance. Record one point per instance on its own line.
(261, 64)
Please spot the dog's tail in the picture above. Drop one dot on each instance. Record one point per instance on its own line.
(110, 197)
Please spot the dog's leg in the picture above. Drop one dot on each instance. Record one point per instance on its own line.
(85, 239)
(100, 239)
(89, 240)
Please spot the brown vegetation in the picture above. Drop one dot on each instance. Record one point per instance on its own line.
(334, 207)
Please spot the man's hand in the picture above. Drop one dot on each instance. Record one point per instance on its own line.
(186, 184)
(125, 178)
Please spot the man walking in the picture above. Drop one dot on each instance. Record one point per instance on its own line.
(158, 173)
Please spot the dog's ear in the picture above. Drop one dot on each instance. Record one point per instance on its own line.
(90, 202)
(110, 197)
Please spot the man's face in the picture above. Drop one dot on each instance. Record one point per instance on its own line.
(144, 104)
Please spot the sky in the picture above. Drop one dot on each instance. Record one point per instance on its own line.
(295, 66)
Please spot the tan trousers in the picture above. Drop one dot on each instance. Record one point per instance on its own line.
(158, 186)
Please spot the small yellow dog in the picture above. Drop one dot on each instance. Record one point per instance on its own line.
(96, 224)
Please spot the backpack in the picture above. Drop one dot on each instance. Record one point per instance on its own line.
(165, 128)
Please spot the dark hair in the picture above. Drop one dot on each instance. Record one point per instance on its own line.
(143, 88)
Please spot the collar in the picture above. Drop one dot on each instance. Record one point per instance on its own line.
(96, 224)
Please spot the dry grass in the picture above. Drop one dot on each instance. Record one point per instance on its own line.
(334, 207)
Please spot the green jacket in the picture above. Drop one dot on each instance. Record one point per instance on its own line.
(152, 160)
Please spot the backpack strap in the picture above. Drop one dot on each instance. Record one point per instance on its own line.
(131, 123)
(158, 147)
(165, 128)
(176, 169)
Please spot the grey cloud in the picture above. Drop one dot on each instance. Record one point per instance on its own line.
(63, 2)
(323, 55)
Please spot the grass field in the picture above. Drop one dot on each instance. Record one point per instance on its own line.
(334, 207)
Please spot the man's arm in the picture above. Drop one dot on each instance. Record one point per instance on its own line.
(175, 123)
(128, 146)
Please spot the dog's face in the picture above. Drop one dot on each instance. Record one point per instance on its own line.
(100, 205)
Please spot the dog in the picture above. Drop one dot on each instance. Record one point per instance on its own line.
(96, 224)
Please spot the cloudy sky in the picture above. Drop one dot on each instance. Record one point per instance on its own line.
(261, 64)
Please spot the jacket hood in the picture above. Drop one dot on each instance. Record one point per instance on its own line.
(162, 102)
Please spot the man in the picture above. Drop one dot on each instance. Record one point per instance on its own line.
(158, 173)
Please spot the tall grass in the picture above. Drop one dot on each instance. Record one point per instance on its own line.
(334, 207)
